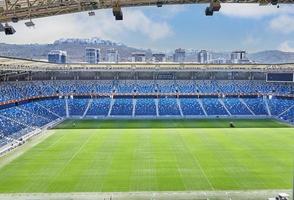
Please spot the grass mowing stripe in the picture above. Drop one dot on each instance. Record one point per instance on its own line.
(102, 161)
(155, 159)
(143, 166)
(68, 161)
(232, 149)
(189, 171)
(177, 162)
(198, 163)
(169, 123)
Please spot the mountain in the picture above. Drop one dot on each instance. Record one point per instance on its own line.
(272, 57)
(76, 47)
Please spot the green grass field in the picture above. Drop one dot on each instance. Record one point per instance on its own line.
(148, 155)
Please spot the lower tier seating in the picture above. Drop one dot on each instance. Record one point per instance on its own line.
(145, 107)
(17, 120)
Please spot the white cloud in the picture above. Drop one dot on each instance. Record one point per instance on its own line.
(287, 46)
(82, 26)
(254, 10)
(170, 11)
(283, 24)
(136, 21)
(279, 20)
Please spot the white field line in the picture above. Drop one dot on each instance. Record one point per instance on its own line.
(178, 167)
(57, 141)
(110, 161)
(73, 156)
(197, 161)
(171, 195)
(221, 156)
(15, 153)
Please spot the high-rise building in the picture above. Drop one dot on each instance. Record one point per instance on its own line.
(138, 57)
(204, 56)
(57, 56)
(112, 55)
(239, 57)
(158, 57)
(179, 55)
(92, 55)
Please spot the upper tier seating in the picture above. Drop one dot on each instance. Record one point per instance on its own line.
(145, 86)
(167, 86)
(186, 86)
(18, 90)
(126, 86)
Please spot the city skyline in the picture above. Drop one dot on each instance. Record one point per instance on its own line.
(249, 27)
(94, 56)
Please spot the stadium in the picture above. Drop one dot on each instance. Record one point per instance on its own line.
(145, 130)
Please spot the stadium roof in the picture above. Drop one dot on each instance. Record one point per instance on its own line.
(16, 64)
(30, 9)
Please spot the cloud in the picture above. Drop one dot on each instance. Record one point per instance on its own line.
(136, 21)
(287, 46)
(283, 24)
(82, 26)
(254, 10)
(169, 11)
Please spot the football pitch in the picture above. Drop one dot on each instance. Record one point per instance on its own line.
(154, 155)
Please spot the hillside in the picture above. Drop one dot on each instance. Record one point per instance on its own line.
(273, 56)
(76, 47)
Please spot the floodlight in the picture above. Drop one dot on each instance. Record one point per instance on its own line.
(91, 13)
(29, 24)
(9, 30)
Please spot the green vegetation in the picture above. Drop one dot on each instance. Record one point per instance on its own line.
(148, 155)
(169, 123)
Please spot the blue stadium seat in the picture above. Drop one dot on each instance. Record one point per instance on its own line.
(145, 107)
(122, 107)
(56, 106)
(236, 107)
(256, 105)
(77, 107)
(168, 107)
(99, 107)
(190, 106)
(213, 107)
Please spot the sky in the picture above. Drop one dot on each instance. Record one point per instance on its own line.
(236, 27)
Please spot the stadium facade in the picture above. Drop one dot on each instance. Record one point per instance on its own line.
(37, 95)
